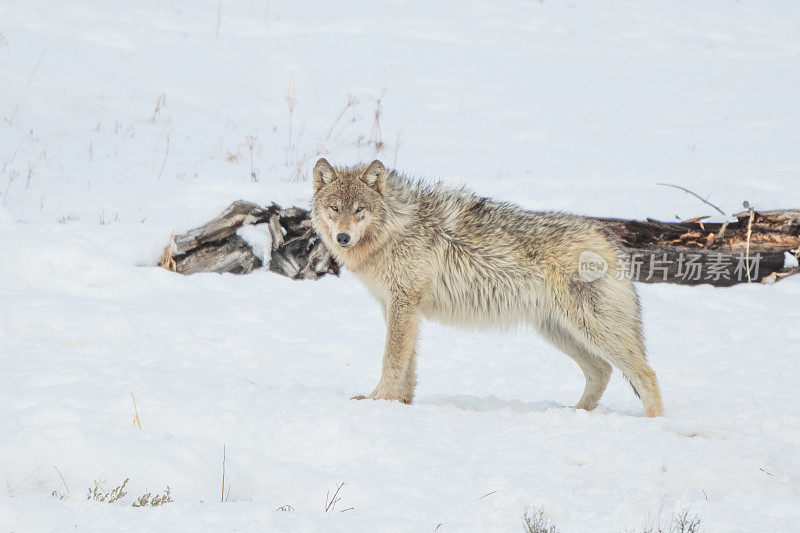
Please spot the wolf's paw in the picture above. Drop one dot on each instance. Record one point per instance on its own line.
(388, 392)
(406, 401)
(396, 397)
(586, 405)
(653, 411)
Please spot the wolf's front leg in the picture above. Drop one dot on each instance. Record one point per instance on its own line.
(399, 369)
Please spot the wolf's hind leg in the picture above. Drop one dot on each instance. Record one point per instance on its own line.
(611, 328)
(643, 379)
(597, 373)
(596, 370)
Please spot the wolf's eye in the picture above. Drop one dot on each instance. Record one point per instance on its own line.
(334, 209)
(359, 208)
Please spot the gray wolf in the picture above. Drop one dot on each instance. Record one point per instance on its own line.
(451, 256)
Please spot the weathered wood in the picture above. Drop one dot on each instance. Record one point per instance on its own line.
(232, 255)
(296, 252)
(691, 252)
(770, 232)
(236, 215)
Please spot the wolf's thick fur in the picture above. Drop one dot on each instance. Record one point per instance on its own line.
(451, 256)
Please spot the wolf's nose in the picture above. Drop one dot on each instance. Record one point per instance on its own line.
(343, 239)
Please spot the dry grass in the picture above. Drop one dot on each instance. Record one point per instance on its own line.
(681, 522)
(104, 221)
(167, 261)
(336, 140)
(101, 493)
(536, 521)
(147, 499)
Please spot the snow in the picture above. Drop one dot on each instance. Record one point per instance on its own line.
(257, 236)
(124, 123)
(790, 260)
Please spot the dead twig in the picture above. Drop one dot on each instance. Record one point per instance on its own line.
(330, 504)
(166, 155)
(749, 232)
(705, 201)
(303, 236)
(222, 491)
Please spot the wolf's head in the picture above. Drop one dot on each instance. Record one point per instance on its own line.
(346, 202)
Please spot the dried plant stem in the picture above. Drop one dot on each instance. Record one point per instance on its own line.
(27, 86)
(136, 421)
(12, 176)
(62, 478)
(291, 101)
(222, 490)
(397, 144)
(12, 491)
(747, 247)
(351, 101)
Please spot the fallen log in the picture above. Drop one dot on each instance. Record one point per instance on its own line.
(759, 246)
(296, 251)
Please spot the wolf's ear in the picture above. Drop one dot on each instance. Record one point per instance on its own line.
(375, 176)
(323, 174)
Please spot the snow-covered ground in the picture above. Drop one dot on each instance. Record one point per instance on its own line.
(121, 123)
